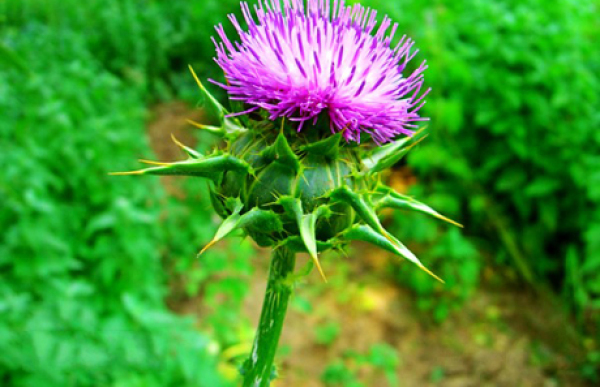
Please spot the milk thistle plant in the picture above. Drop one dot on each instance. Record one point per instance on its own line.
(319, 99)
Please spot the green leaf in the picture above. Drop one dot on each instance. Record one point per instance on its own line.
(205, 167)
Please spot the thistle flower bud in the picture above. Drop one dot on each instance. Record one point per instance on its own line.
(310, 82)
(306, 84)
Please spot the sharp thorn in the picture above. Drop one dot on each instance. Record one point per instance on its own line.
(426, 270)
(196, 124)
(442, 217)
(419, 131)
(212, 129)
(416, 142)
(191, 153)
(208, 245)
(318, 265)
(177, 142)
(139, 172)
(151, 162)
(196, 77)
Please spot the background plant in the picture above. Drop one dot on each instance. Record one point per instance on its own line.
(82, 255)
(515, 90)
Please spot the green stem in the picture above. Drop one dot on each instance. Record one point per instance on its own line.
(258, 369)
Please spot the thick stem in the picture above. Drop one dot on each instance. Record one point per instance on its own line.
(258, 369)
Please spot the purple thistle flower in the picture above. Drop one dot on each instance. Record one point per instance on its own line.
(298, 62)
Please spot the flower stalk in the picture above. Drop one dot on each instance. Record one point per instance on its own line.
(258, 369)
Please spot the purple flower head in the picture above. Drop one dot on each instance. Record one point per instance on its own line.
(298, 62)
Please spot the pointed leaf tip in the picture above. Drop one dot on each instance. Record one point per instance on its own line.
(216, 106)
(127, 173)
(307, 226)
(315, 259)
(209, 128)
(191, 152)
(257, 219)
(208, 245)
(227, 226)
(393, 199)
(195, 76)
(228, 125)
(209, 167)
(426, 270)
(152, 162)
(448, 220)
(388, 242)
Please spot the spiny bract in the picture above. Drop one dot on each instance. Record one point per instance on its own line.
(309, 191)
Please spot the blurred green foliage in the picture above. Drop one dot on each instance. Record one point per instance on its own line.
(83, 254)
(147, 43)
(82, 287)
(513, 146)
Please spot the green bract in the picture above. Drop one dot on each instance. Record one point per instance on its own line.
(309, 191)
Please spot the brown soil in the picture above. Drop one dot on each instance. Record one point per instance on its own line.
(502, 336)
